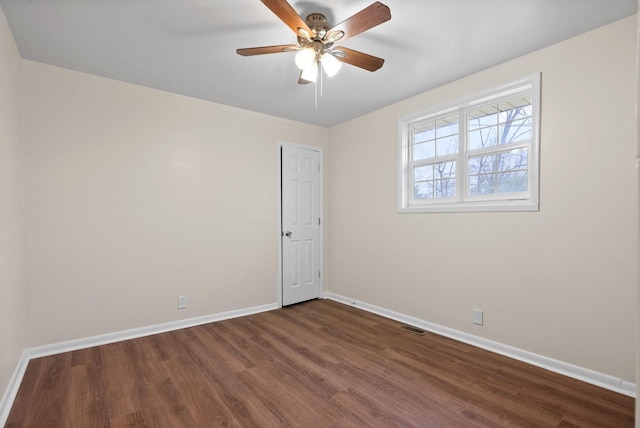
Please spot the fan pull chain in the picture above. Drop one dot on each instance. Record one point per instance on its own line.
(318, 88)
(321, 78)
(315, 91)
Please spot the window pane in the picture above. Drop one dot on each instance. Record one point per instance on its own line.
(511, 182)
(446, 127)
(515, 120)
(474, 187)
(515, 131)
(482, 117)
(513, 160)
(447, 145)
(434, 181)
(474, 165)
(501, 172)
(487, 183)
(482, 164)
(424, 150)
(423, 173)
(515, 108)
(482, 184)
(424, 133)
(436, 138)
(423, 190)
(483, 137)
(445, 188)
(444, 170)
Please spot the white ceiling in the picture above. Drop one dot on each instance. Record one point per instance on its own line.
(188, 46)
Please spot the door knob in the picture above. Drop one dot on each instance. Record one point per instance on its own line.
(288, 234)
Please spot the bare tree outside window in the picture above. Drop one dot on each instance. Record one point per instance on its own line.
(501, 170)
(480, 153)
(437, 139)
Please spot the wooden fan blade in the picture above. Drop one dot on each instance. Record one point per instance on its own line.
(359, 59)
(288, 15)
(369, 17)
(267, 50)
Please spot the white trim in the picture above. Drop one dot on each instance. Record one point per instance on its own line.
(484, 206)
(279, 146)
(602, 380)
(279, 221)
(103, 339)
(12, 389)
(463, 202)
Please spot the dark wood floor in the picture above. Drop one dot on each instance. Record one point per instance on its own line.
(317, 364)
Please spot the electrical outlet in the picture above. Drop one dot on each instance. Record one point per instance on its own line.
(477, 317)
(182, 302)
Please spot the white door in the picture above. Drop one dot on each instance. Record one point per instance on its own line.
(300, 224)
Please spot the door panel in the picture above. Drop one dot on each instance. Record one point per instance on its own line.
(300, 224)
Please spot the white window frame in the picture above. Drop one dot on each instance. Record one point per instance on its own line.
(462, 201)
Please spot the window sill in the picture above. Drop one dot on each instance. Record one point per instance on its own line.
(457, 207)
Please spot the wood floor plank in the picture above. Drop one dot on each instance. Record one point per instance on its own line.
(217, 340)
(316, 364)
(198, 396)
(53, 382)
(293, 405)
(297, 339)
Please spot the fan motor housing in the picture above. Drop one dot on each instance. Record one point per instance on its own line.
(317, 22)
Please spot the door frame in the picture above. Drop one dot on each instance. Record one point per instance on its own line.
(279, 230)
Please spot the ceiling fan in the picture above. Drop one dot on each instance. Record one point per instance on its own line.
(316, 38)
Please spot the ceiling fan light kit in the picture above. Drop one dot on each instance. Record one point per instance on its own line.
(309, 74)
(316, 38)
(330, 64)
(307, 61)
(305, 58)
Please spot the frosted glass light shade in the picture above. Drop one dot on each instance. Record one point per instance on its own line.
(310, 74)
(330, 64)
(305, 58)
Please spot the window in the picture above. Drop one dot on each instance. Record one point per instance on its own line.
(478, 154)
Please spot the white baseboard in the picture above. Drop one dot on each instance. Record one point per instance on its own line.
(103, 339)
(603, 380)
(12, 389)
(590, 376)
(118, 336)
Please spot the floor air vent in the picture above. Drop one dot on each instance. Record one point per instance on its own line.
(414, 330)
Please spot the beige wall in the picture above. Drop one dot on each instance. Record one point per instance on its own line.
(135, 196)
(12, 288)
(561, 282)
